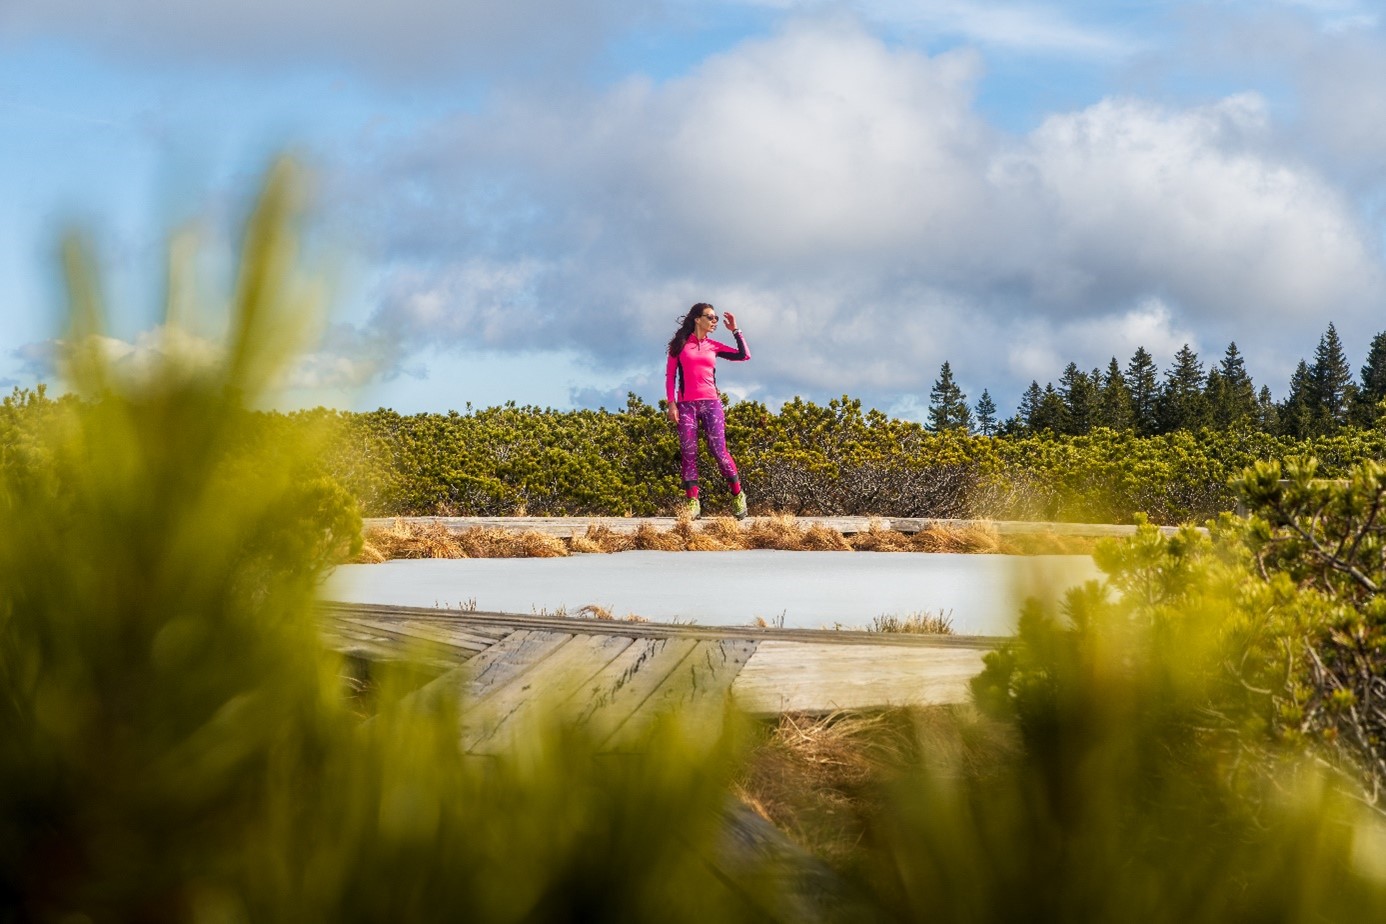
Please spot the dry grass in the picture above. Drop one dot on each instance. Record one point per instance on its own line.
(412, 539)
(812, 776)
(601, 539)
(479, 542)
(878, 539)
(976, 539)
(403, 539)
(821, 779)
(649, 539)
(921, 623)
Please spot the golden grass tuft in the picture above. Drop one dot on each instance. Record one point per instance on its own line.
(481, 542)
(779, 531)
(649, 539)
(822, 779)
(403, 539)
(414, 539)
(601, 539)
(877, 539)
(370, 554)
(815, 777)
(704, 542)
(726, 531)
(980, 538)
(820, 538)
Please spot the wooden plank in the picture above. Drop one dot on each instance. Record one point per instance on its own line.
(376, 646)
(508, 660)
(410, 645)
(488, 727)
(418, 629)
(615, 694)
(806, 677)
(697, 690)
(682, 630)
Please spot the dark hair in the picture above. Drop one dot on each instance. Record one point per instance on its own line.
(685, 330)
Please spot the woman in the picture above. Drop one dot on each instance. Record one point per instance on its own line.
(692, 367)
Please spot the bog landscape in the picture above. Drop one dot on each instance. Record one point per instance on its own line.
(190, 731)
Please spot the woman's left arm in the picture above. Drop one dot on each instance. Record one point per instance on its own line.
(741, 352)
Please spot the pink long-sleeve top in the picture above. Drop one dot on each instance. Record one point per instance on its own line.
(694, 369)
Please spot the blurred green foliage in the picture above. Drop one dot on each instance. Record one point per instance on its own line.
(1212, 713)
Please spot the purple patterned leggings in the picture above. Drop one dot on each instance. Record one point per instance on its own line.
(709, 414)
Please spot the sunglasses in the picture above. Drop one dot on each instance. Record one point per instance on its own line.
(710, 317)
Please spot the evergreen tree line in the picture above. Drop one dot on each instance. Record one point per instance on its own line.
(1323, 397)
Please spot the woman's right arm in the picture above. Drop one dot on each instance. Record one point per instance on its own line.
(670, 371)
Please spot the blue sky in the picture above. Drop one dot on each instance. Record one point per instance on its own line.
(516, 201)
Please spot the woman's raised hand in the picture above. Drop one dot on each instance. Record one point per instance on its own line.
(730, 320)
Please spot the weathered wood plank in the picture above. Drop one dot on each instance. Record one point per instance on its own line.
(615, 694)
(511, 621)
(697, 690)
(508, 660)
(805, 677)
(488, 727)
(467, 643)
(373, 645)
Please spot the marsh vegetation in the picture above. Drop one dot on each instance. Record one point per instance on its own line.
(1196, 737)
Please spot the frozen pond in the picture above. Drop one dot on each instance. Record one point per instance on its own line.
(808, 590)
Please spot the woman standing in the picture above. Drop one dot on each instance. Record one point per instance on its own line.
(692, 373)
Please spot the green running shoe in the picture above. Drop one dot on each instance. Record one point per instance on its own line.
(692, 508)
(739, 506)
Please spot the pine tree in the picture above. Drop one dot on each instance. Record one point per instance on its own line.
(1368, 409)
(1267, 418)
(1231, 393)
(1051, 413)
(1142, 380)
(1079, 394)
(1182, 404)
(1331, 390)
(947, 403)
(1114, 401)
(1024, 420)
(1295, 416)
(986, 414)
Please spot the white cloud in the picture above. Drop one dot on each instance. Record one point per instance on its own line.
(847, 197)
(1189, 205)
(1038, 349)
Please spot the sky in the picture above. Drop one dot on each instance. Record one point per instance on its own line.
(519, 201)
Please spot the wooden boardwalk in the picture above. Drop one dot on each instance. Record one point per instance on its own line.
(616, 677)
(568, 527)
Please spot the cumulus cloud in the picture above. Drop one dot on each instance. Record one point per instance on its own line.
(1037, 348)
(1190, 205)
(847, 195)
